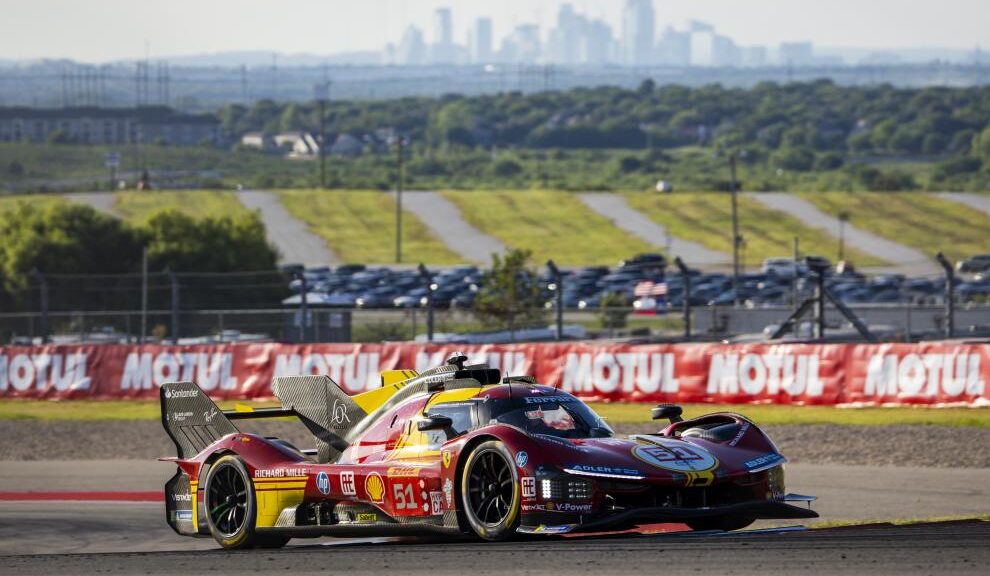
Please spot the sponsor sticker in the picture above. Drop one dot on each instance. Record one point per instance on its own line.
(763, 461)
(183, 515)
(374, 487)
(610, 470)
(323, 483)
(521, 459)
(347, 487)
(544, 529)
(528, 487)
(179, 497)
(675, 456)
(170, 394)
(436, 503)
(568, 507)
(448, 492)
(279, 473)
(548, 399)
(366, 517)
(403, 472)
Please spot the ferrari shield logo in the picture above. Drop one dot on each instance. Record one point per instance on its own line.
(446, 457)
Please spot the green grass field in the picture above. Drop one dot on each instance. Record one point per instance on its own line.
(917, 219)
(359, 226)
(552, 224)
(37, 200)
(616, 413)
(706, 218)
(137, 206)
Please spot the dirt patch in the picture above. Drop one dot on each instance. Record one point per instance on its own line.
(928, 446)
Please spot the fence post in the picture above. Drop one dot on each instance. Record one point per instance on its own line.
(175, 305)
(304, 292)
(430, 287)
(686, 300)
(950, 295)
(43, 288)
(558, 288)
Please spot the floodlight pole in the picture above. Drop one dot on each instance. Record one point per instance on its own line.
(843, 218)
(144, 294)
(399, 144)
(950, 295)
(303, 306)
(43, 288)
(558, 280)
(175, 304)
(735, 228)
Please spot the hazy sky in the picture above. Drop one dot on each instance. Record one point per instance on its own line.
(97, 30)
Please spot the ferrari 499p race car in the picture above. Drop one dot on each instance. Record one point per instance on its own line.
(459, 450)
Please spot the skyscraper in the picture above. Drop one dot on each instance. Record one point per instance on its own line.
(638, 23)
(442, 50)
(481, 41)
(412, 49)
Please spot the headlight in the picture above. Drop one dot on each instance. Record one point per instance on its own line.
(566, 488)
(775, 483)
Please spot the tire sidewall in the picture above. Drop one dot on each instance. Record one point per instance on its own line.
(244, 537)
(508, 525)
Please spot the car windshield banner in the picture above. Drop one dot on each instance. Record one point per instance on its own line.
(931, 373)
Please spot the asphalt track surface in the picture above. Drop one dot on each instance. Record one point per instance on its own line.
(979, 202)
(615, 208)
(950, 548)
(100, 201)
(904, 259)
(297, 244)
(84, 537)
(445, 220)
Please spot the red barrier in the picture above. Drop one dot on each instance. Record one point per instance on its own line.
(928, 373)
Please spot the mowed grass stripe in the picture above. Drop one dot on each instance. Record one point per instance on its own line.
(359, 226)
(615, 412)
(138, 206)
(917, 219)
(706, 218)
(554, 225)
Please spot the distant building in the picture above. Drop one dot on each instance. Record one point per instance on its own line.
(260, 140)
(442, 51)
(596, 45)
(753, 56)
(108, 126)
(674, 48)
(523, 45)
(481, 41)
(412, 48)
(796, 54)
(298, 144)
(347, 145)
(638, 33)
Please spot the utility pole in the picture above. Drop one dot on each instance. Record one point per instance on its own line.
(322, 93)
(843, 218)
(686, 299)
(427, 277)
(43, 288)
(175, 304)
(399, 145)
(735, 228)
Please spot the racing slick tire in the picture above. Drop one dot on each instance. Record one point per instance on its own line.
(490, 492)
(232, 505)
(724, 523)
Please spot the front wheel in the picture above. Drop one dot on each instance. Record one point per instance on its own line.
(725, 523)
(490, 493)
(231, 507)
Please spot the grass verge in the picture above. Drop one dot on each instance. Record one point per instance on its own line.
(137, 206)
(359, 226)
(553, 224)
(706, 218)
(616, 413)
(917, 219)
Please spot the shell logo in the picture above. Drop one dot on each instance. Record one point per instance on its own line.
(374, 487)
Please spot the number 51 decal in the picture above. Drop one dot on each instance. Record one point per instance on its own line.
(404, 497)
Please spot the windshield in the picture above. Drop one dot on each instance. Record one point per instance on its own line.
(562, 416)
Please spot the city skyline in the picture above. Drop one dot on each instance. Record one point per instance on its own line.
(63, 29)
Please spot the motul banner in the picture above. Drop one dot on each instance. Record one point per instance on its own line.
(935, 373)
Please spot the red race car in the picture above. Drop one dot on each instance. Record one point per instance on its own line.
(462, 451)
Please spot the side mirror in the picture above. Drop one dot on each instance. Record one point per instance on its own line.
(670, 412)
(435, 422)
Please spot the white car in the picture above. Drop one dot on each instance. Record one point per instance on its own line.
(782, 267)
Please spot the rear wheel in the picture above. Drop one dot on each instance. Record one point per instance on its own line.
(490, 493)
(726, 523)
(231, 507)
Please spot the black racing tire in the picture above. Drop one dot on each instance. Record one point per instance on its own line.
(724, 523)
(232, 507)
(490, 491)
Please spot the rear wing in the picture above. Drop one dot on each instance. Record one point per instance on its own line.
(335, 418)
